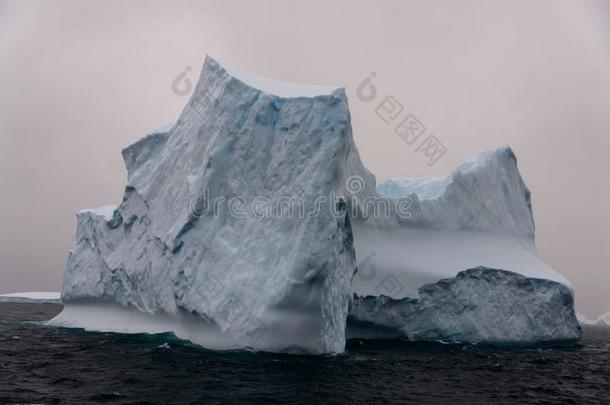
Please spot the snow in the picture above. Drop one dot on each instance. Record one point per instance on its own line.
(426, 188)
(163, 129)
(105, 211)
(280, 88)
(421, 256)
(602, 320)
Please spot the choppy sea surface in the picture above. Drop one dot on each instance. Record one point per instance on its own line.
(45, 365)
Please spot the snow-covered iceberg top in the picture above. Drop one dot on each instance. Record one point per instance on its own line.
(106, 211)
(280, 88)
(484, 193)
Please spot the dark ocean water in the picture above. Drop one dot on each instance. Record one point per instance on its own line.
(39, 364)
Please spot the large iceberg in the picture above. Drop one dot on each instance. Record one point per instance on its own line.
(240, 225)
(183, 244)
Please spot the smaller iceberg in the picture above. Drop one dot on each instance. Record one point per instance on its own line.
(602, 320)
(35, 297)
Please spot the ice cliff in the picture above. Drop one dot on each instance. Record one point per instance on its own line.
(240, 225)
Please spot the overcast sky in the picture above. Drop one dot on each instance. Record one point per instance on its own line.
(81, 80)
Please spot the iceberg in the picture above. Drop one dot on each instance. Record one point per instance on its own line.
(602, 320)
(463, 266)
(231, 278)
(252, 223)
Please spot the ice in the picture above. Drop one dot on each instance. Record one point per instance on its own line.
(479, 216)
(105, 212)
(280, 88)
(270, 282)
(478, 305)
(34, 296)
